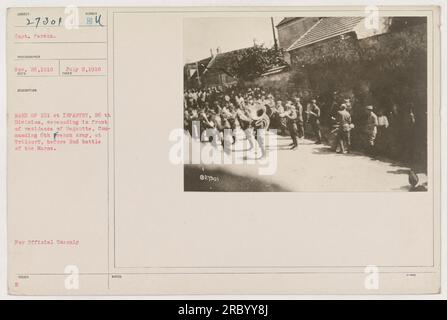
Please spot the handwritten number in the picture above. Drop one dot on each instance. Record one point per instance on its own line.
(38, 21)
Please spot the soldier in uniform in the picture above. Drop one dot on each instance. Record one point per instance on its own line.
(282, 121)
(371, 128)
(343, 120)
(313, 117)
(290, 115)
(246, 125)
(299, 119)
(348, 105)
(229, 117)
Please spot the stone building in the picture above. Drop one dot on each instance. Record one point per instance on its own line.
(290, 29)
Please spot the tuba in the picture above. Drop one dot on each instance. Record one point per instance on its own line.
(259, 117)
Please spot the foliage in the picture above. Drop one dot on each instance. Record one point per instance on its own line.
(389, 67)
(384, 70)
(254, 61)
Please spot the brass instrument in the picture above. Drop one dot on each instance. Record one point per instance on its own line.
(258, 114)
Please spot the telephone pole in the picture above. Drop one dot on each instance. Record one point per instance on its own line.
(198, 74)
(274, 34)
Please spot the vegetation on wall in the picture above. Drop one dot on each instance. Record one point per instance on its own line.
(388, 70)
(386, 67)
(252, 62)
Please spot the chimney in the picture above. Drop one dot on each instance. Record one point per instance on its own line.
(218, 50)
(211, 52)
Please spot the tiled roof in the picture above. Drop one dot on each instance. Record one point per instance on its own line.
(287, 20)
(326, 28)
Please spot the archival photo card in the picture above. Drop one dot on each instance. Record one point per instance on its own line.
(223, 150)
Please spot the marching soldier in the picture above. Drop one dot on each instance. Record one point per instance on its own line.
(290, 115)
(282, 121)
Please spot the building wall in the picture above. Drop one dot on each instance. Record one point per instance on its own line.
(216, 78)
(274, 81)
(384, 70)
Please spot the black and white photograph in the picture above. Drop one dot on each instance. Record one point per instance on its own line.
(305, 104)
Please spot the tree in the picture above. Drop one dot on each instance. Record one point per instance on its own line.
(250, 63)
